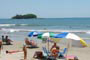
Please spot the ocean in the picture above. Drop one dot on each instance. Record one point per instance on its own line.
(79, 26)
(47, 23)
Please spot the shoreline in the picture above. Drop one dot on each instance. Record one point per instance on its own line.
(42, 30)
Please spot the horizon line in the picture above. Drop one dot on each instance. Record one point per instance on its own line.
(52, 17)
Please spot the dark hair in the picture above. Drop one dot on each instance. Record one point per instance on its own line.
(6, 51)
(57, 47)
(6, 36)
(2, 35)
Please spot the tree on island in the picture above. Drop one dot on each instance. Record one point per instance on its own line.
(26, 16)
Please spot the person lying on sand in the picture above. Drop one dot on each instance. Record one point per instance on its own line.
(16, 51)
(12, 51)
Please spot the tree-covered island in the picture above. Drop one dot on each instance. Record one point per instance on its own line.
(25, 16)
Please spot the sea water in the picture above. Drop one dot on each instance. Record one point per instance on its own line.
(47, 23)
(60, 24)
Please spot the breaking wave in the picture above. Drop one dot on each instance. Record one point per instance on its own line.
(7, 25)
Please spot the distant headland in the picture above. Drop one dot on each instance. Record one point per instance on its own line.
(25, 16)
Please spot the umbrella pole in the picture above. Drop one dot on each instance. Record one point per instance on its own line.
(68, 45)
(48, 44)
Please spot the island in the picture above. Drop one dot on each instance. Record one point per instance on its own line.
(25, 16)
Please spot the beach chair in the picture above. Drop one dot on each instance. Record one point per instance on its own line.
(46, 54)
(45, 51)
(61, 54)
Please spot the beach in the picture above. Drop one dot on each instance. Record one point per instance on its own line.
(49, 29)
(81, 53)
(18, 30)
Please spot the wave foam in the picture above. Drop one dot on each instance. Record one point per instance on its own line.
(8, 25)
(43, 30)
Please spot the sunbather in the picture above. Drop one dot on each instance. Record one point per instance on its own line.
(16, 51)
(55, 51)
(30, 42)
(54, 46)
(3, 39)
(38, 54)
(8, 41)
(27, 41)
(12, 51)
(33, 43)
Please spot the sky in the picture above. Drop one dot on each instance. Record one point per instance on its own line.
(45, 8)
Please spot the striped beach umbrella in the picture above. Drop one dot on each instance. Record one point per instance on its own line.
(46, 35)
(34, 33)
(73, 37)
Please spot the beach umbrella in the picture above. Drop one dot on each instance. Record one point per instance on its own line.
(34, 33)
(75, 39)
(46, 35)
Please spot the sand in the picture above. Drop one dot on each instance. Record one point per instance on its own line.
(81, 53)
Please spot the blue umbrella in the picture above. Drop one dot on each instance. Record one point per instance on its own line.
(62, 35)
(34, 33)
(73, 37)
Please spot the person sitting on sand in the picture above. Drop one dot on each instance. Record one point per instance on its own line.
(54, 46)
(1, 46)
(33, 43)
(55, 51)
(8, 41)
(30, 42)
(3, 39)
